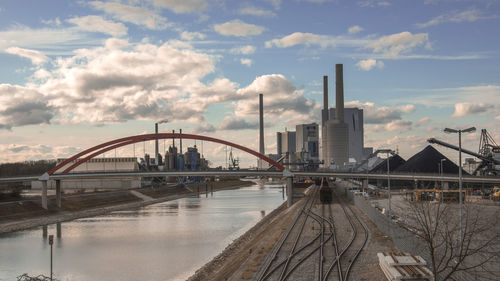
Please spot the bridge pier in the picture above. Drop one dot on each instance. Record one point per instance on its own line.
(58, 193)
(44, 194)
(364, 185)
(289, 191)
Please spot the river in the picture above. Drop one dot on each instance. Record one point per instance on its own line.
(165, 241)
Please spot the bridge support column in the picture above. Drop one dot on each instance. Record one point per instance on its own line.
(44, 194)
(364, 185)
(289, 191)
(58, 193)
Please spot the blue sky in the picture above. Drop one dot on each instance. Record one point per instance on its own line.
(77, 73)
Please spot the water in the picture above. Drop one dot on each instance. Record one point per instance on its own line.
(165, 241)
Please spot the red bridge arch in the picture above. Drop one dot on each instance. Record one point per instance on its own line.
(110, 145)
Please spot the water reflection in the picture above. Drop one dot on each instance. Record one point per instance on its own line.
(165, 241)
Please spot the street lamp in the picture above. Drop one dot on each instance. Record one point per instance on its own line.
(388, 151)
(460, 131)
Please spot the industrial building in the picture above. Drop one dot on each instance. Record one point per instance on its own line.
(99, 165)
(285, 142)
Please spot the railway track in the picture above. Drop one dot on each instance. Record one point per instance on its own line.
(310, 248)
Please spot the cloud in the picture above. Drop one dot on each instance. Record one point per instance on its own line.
(355, 29)
(247, 62)
(400, 43)
(52, 41)
(118, 82)
(21, 106)
(98, 24)
(204, 128)
(371, 3)
(281, 99)
(136, 15)
(275, 3)
(245, 50)
(254, 11)
(235, 123)
(422, 121)
(238, 28)
(463, 109)
(19, 153)
(182, 6)
(470, 15)
(379, 115)
(36, 57)
(190, 36)
(311, 39)
(369, 64)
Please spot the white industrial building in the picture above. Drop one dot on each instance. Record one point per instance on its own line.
(98, 165)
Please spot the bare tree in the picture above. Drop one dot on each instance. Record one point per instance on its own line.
(474, 256)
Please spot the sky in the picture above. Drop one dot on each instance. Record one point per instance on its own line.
(74, 74)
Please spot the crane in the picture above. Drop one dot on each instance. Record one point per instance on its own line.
(489, 153)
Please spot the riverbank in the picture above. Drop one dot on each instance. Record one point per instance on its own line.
(30, 214)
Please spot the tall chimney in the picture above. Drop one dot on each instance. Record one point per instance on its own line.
(325, 100)
(339, 93)
(180, 140)
(261, 124)
(156, 144)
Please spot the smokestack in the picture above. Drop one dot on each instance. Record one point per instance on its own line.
(261, 123)
(156, 144)
(325, 100)
(173, 139)
(339, 95)
(180, 140)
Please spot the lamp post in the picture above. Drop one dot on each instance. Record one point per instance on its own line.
(460, 131)
(388, 151)
(51, 242)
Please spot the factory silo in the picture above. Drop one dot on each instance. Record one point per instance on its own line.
(337, 131)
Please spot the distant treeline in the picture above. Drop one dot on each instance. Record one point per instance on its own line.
(26, 168)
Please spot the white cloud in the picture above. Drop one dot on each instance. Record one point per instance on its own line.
(245, 50)
(52, 41)
(355, 29)
(36, 57)
(21, 106)
(236, 123)
(463, 109)
(296, 39)
(470, 15)
(189, 36)
(379, 115)
(372, 3)
(275, 3)
(54, 22)
(311, 39)
(246, 61)
(98, 24)
(422, 121)
(400, 43)
(118, 82)
(238, 28)
(136, 15)
(369, 64)
(254, 11)
(204, 128)
(182, 6)
(396, 125)
(20, 153)
(281, 99)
